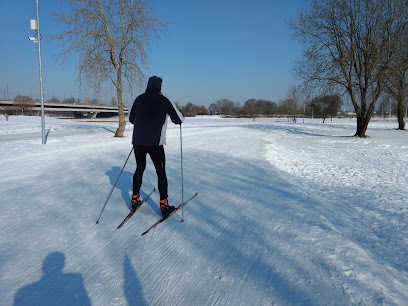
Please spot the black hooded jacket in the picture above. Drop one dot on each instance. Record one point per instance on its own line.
(149, 117)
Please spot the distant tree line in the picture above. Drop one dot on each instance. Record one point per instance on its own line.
(324, 106)
(321, 106)
(192, 110)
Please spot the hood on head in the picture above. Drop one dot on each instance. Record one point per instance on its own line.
(154, 83)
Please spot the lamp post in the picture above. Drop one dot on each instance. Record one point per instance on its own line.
(35, 25)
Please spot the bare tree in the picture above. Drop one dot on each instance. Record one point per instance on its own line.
(326, 106)
(69, 100)
(223, 107)
(22, 99)
(398, 88)
(6, 111)
(189, 110)
(397, 75)
(202, 110)
(113, 39)
(306, 91)
(288, 107)
(387, 106)
(24, 104)
(251, 108)
(293, 101)
(53, 100)
(349, 44)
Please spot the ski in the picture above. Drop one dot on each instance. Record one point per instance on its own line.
(164, 218)
(134, 210)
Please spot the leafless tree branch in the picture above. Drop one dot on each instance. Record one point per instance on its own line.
(112, 39)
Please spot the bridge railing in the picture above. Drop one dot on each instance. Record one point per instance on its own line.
(85, 109)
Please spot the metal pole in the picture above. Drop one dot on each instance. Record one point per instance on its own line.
(182, 178)
(41, 78)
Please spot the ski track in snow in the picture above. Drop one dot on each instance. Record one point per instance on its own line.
(287, 214)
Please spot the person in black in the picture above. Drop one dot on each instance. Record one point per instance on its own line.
(149, 118)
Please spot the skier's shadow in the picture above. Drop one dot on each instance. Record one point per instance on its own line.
(54, 287)
(125, 185)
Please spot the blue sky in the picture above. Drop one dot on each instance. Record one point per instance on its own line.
(214, 49)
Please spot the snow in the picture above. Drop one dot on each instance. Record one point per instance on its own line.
(287, 214)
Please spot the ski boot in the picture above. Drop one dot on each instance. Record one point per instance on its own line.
(165, 208)
(136, 201)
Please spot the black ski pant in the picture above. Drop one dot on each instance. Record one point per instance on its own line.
(158, 158)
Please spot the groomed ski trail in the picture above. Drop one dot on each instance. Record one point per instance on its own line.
(256, 235)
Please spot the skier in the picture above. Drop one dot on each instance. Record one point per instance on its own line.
(149, 118)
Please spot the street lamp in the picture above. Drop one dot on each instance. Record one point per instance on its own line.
(35, 26)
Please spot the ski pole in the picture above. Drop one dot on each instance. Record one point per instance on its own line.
(110, 193)
(182, 180)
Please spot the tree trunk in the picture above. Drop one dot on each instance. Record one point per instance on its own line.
(364, 115)
(122, 122)
(362, 125)
(400, 100)
(401, 122)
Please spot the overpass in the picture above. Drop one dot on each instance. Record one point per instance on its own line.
(77, 110)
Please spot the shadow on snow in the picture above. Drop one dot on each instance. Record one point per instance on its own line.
(54, 287)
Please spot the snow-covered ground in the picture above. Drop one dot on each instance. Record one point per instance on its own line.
(287, 214)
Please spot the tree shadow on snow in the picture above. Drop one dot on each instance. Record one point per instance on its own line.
(54, 287)
(253, 239)
(256, 223)
(294, 130)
